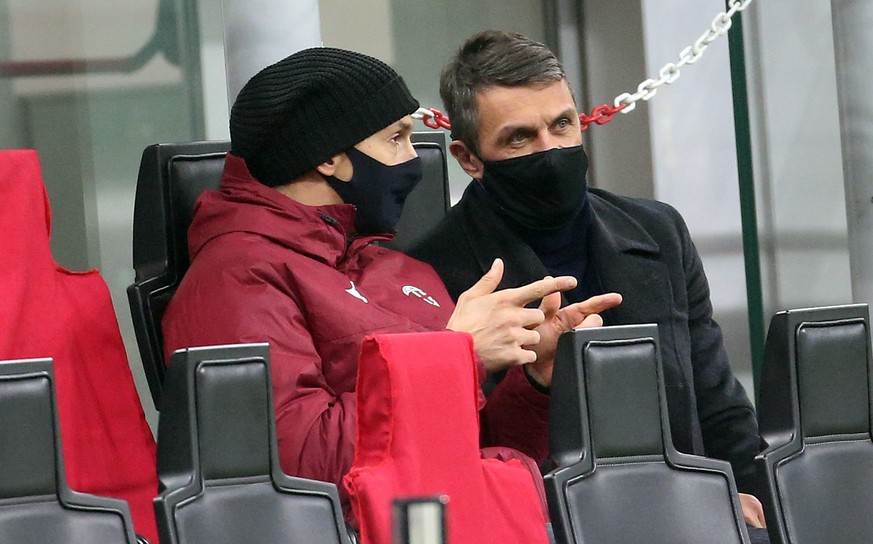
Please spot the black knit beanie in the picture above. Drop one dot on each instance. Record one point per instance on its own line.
(295, 114)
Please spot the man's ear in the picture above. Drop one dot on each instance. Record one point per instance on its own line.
(338, 166)
(468, 160)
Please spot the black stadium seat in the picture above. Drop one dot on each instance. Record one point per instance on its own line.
(172, 177)
(815, 413)
(218, 463)
(36, 504)
(617, 476)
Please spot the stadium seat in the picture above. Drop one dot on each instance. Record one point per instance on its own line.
(36, 503)
(418, 436)
(815, 413)
(218, 462)
(617, 476)
(49, 311)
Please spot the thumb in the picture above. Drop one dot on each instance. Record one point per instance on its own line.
(489, 282)
(550, 304)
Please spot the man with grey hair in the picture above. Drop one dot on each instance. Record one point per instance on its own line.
(515, 131)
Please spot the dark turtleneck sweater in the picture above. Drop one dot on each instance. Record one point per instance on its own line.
(564, 251)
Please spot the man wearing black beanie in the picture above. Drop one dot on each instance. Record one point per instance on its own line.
(320, 164)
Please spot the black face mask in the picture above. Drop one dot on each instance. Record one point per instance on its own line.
(540, 191)
(377, 191)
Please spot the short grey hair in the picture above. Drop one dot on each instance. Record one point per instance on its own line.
(492, 58)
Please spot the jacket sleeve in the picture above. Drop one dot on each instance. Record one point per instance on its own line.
(517, 416)
(315, 424)
(727, 419)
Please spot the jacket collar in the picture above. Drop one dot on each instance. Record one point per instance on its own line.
(242, 204)
(628, 262)
(617, 230)
(612, 232)
(623, 253)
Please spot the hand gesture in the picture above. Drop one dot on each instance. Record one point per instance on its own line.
(558, 320)
(501, 326)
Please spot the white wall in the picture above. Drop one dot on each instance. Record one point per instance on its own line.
(261, 32)
(853, 40)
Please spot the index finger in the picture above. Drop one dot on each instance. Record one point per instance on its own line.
(539, 289)
(596, 304)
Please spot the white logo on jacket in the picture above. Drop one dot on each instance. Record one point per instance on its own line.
(413, 290)
(355, 293)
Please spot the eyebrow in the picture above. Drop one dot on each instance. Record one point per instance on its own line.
(403, 124)
(569, 112)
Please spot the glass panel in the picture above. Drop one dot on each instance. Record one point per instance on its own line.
(798, 157)
(89, 84)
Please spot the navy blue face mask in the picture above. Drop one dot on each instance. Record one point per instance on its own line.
(377, 191)
(540, 191)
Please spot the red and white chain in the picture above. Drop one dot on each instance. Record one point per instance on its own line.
(627, 102)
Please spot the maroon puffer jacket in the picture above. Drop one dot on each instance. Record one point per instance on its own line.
(267, 268)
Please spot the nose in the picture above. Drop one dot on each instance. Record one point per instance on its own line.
(545, 140)
(409, 151)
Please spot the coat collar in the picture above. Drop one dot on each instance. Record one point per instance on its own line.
(245, 205)
(626, 258)
(612, 232)
(618, 230)
(624, 255)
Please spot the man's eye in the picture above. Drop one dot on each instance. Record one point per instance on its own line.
(564, 123)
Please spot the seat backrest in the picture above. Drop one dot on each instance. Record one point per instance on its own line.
(171, 179)
(47, 310)
(617, 476)
(428, 203)
(36, 504)
(218, 462)
(418, 436)
(815, 413)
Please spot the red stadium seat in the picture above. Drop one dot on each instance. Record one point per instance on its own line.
(48, 311)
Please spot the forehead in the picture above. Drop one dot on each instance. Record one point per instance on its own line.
(532, 105)
(404, 123)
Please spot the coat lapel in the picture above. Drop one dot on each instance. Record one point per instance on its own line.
(627, 262)
(623, 253)
(490, 238)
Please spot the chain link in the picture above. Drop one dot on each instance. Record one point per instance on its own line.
(600, 115)
(626, 102)
(691, 54)
(432, 118)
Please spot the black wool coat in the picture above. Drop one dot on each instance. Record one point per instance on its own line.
(642, 250)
